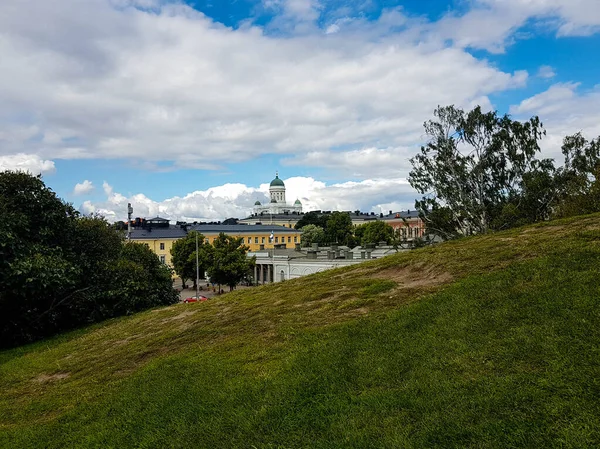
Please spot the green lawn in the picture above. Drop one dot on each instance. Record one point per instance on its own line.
(486, 342)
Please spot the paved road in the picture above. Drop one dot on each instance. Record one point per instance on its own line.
(208, 292)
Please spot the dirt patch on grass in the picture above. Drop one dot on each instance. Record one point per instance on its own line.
(45, 378)
(415, 276)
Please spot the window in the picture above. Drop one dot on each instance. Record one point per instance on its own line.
(289, 239)
(276, 239)
(162, 258)
(262, 240)
(249, 240)
(295, 239)
(207, 241)
(162, 246)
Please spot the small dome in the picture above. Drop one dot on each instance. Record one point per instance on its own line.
(273, 200)
(257, 203)
(277, 182)
(298, 202)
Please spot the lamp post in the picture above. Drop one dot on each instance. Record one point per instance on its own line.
(197, 270)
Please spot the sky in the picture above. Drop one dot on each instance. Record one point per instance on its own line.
(188, 109)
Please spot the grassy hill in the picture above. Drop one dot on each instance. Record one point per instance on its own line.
(485, 342)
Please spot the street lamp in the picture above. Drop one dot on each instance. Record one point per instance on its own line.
(197, 270)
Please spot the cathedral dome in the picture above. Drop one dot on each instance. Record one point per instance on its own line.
(257, 203)
(297, 203)
(273, 200)
(277, 182)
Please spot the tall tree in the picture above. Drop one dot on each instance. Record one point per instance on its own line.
(59, 271)
(183, 256)
(474, 164)
(339, 229)
(374, 232)
(312, 218)
(230, 264)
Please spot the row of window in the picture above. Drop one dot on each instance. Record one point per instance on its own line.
(249, 241)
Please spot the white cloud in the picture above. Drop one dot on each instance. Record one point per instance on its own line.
(83, 187)
(173, 85)
(546, 71)
(237, 200)
(26, 162)
(493, 24)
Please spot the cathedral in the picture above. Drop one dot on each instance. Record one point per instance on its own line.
(277, 204)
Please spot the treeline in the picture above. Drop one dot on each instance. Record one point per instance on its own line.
(480, 172)
(60, 270)
(337, 227)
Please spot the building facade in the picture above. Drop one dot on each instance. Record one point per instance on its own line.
(160, 236)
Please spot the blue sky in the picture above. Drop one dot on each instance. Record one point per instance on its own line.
(187, 109)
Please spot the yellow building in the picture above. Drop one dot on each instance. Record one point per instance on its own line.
(160, 236)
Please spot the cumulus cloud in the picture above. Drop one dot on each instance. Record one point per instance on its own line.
(172, 85)
(237, 200)
(26, 162)
(81, 188)
(493, 24)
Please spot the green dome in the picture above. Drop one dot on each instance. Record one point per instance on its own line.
(297, 202)
(273, 200)
(277, 182)
(257, 203)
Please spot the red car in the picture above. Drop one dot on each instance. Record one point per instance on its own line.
(195, 299)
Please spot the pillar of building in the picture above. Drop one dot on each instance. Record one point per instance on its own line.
(255, 274)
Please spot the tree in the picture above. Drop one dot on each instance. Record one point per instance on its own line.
(474, 164)
(578, 180)
(374, 232)
(230, 265)
(339, 229)
(59, 271)
(312, 234)
(314, 218)
(183, 256)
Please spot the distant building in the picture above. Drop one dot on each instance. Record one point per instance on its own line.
(159, 235)
(278, 204)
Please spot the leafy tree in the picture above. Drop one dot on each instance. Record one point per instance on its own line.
(59, 271)
(578, 180)
(230, 265)
(314, 218)
(183, 256)
(374, 232)
(474, 164)
(312, 234)
(339, 229)
(141, 281)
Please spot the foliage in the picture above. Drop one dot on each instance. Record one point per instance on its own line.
(230, 265)
(312, 234)
(339, 229)
(58, 270)
(313, 218)
(183, 256)
(474, 165)
(578, 181)
(374, 232)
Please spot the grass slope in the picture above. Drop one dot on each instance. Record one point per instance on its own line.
(485, 342)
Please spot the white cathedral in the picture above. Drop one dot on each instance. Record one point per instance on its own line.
(277, 204)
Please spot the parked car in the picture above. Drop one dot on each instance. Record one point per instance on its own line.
(195, 299)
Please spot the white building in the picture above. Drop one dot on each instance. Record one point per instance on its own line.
(278, 204)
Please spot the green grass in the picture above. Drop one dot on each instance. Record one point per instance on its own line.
(487, 342)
